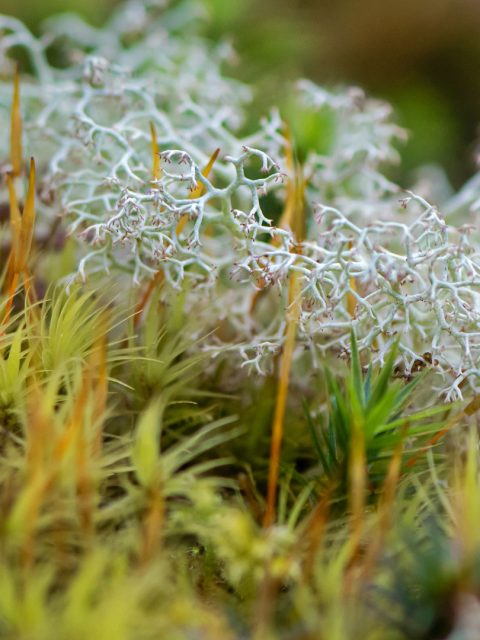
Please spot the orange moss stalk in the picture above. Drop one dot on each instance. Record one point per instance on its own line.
(15, 225)
(294, 198)
(351, 300)
(21, 228)
(156, 169)
(15, 230)
(196, 193)
(156, 175)
(39, 475)
(281, 399)
(70, 435)
(157, 279)
(295, 190)
(83, 433)
(294, 217)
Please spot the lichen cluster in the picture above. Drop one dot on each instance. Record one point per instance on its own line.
(123, 122)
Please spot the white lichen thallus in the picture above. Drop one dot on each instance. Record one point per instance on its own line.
(195, 193)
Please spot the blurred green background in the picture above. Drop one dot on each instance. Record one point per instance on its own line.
(421, 55)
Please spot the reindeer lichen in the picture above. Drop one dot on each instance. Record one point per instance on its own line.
(373, 256)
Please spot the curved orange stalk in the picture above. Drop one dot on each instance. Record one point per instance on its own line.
(15, 224)
(288, 214)
(157, 278)
(11, 295)
(295, 194)
(256, 297)
(351, 300)
(198, 191)
(156, 174)
(29, 289)
(281, 399)
(156, 169)
(21, 227)
(294, 216)
(73, 428)
(40, 474)
(16, 128)
(15, 230)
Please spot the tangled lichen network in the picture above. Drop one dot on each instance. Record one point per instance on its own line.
(97, 102)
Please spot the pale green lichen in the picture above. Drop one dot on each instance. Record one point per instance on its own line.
(373, 256)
